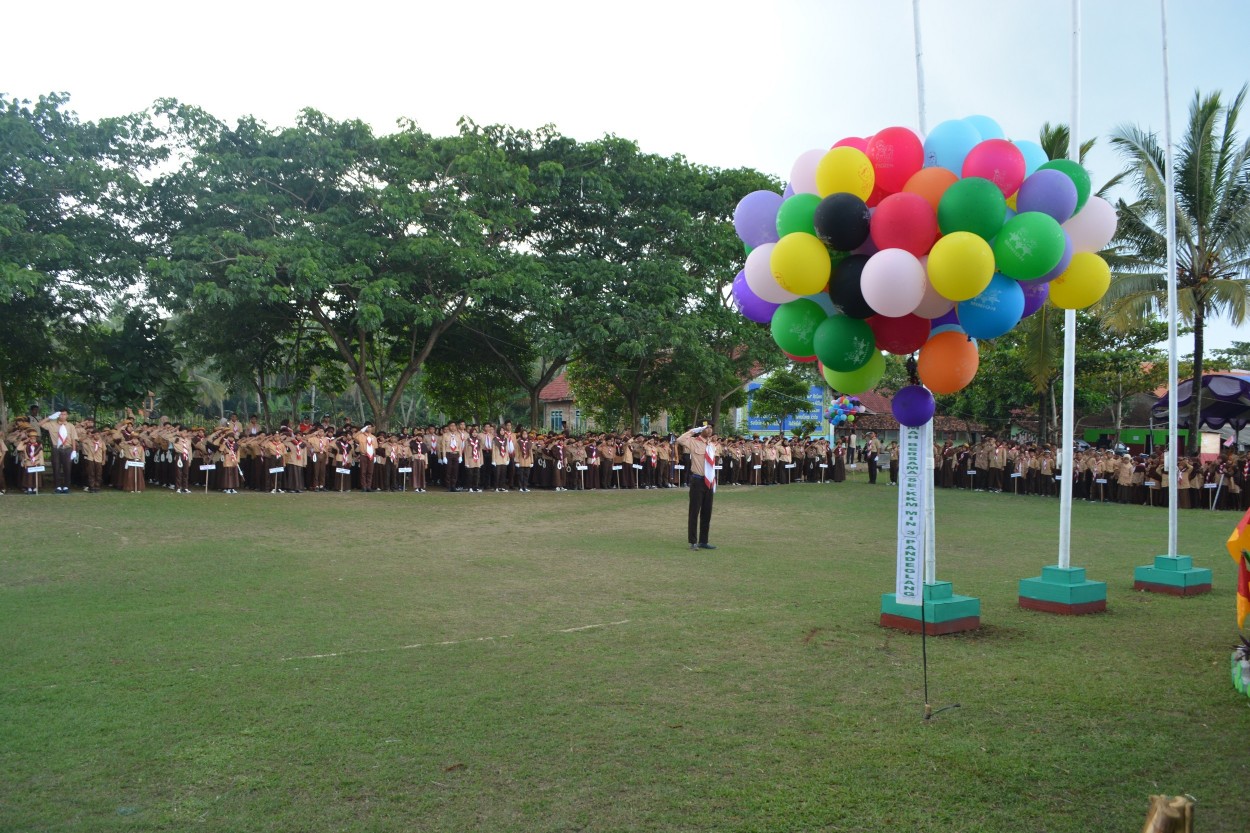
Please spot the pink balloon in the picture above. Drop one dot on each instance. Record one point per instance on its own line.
(905, 221)
(803, 174)
(1092, 228)
(999, 161)
(852, 142)
(760, 278)
(933, 305)
(893, 282)
(896, 153)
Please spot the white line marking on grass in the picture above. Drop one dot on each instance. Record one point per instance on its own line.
(445, 643)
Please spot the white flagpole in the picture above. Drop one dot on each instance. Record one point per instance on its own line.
(1173, 411)
(1069, 321)
(915, 18)
(930, 537)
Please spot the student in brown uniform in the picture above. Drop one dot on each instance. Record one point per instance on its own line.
(31, 455)
(366, 452)
(700, 442)
(524, 460)
(64, 438)
(474, 457)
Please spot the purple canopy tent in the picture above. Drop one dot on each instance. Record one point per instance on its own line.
(1225, 401)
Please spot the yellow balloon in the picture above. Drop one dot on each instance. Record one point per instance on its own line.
(845, 169)
(1083, 283)
(1011, 201)
(961, 265)
(800, 263)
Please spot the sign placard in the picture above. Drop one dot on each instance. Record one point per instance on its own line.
(130, 464)
(617, 468)
(638, 466)
(909, 571)
(404, 469)
(209, 467)
(679, 467)
(277, 470)
(580, 467)
(341, 470)
(39, 469)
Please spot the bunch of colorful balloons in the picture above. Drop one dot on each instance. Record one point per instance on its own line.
(844, 408)
(897, 244)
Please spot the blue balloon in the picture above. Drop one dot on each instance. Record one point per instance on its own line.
(1034, 156)
(943, 328)
(986, 126)
(825, 302)
(995, 311)
(948, 144)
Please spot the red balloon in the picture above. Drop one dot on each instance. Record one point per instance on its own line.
(900, 336)
(905, 221)
(896, 153)
(877, 195)
(802, 359)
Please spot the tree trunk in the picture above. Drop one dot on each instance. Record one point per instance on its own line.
(4, 406)
(1195, 399)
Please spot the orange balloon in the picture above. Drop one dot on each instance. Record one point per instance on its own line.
(947, 362)
(931, 183)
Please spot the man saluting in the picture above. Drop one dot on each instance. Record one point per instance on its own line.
(700, 442)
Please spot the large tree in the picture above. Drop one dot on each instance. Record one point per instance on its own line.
(69, 196)
(1212, 208)
(383, 242)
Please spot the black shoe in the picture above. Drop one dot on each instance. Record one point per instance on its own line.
(707, 546)
(694, 547)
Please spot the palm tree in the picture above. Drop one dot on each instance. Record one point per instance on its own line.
(1042, 333)
(1212, 229)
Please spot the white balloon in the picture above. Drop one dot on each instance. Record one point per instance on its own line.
(893, 282)
(1092, 228)
(760, 276)
(803, 174)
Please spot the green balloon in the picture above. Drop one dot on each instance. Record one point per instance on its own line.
(794, 326)
(1029, 246)
(843, 343)
(974, 204)
(1078, 175)
(796, 214)
(858, 381)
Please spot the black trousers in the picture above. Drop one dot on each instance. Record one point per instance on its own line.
(872, 468)
(700, 509)
(62, 464)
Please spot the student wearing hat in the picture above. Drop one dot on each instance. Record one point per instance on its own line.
(30, 453)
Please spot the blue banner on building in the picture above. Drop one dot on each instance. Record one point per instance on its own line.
(812, 413)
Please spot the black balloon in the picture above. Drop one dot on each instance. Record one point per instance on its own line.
(841, 221)
(844, 289)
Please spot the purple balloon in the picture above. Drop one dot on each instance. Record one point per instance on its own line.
(1060, 267)
(755, 218)
(913, 406)
(951, 317)
(1035, 295)
(789, 192)
(752, 306)
(1050, 194)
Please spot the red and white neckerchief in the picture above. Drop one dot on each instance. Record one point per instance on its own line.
(369, 445)
(62, 436)
(475, 448)
(453, 445)
(709, 465)
(525, 448)
(593, 451)
(33, 450)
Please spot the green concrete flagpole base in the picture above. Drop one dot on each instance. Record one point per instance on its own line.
(1175, 575)
(1063, 590)
(944, 612)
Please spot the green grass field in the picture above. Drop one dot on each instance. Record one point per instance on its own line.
(562, 662)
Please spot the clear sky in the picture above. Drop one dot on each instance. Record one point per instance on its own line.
(726, 84)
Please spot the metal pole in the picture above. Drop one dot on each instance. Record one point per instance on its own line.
(1069, 321)
(915, 17)
(1173, 412)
